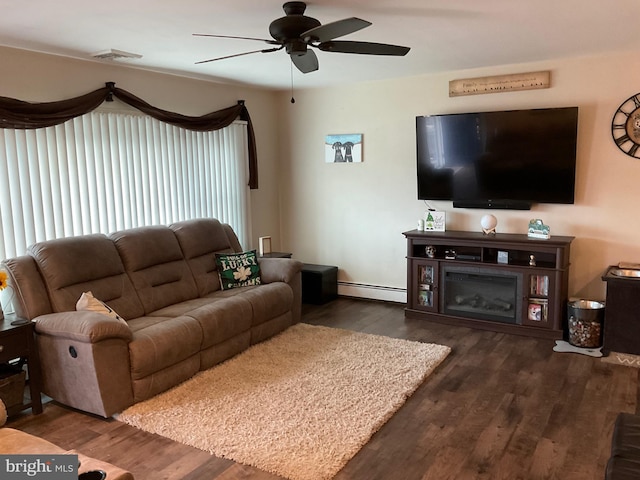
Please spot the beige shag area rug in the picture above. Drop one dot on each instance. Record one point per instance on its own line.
(299, 405)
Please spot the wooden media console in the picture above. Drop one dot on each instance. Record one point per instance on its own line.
(504, 282)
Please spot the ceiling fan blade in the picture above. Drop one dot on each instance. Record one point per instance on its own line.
(306, 63)
(266, 50)
(270, 42)
(364, 48)
(332, 30)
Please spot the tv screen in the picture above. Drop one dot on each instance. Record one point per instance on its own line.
(506, 159)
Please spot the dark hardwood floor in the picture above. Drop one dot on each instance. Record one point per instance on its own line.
(499, 407)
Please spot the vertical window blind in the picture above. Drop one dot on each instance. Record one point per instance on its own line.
(107, 171)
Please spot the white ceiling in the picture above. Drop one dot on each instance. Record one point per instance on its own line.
(444, 35)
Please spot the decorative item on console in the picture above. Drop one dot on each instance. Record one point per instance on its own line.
(434, 221)
(488, 223)
(537, 229)
(430, 251)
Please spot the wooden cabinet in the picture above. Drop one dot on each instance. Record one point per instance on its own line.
(424, 276)
(621, 326)
(503, 282)
(17, 344)
(539, 287)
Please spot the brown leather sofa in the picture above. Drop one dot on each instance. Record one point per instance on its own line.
(163, 281)
(624, 462)
(17, 442)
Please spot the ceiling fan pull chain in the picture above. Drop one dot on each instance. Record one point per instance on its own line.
(293, 100)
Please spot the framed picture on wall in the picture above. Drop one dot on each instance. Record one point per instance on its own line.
(344, 148)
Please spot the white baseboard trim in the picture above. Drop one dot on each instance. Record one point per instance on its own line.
(372, 292)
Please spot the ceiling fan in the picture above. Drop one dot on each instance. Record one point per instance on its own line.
(296, 32)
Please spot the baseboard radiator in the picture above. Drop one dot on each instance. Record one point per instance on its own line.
(372, 292)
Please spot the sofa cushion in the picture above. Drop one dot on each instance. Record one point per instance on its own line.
(238, 269)
(101, 271)
(222, 319)
(268, 301)
(161, 342)
(200, 239)
(153, 259)
(201, 236)
(233, 238)
(182, 308)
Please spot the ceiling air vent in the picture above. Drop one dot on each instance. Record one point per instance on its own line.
(113, 54)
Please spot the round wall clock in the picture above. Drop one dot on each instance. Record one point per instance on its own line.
(625, 126)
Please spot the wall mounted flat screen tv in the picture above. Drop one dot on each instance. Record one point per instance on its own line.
(506, 159)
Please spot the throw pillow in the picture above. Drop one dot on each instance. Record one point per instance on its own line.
(90, 303)
(238, 269)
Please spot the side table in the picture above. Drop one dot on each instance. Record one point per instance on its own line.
(319, 283)
(18, 342)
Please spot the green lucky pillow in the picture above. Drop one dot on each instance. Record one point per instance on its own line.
(238, 269)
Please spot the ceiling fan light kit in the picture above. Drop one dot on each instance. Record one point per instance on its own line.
(296, 32)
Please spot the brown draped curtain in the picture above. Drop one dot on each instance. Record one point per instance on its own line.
(19, 114)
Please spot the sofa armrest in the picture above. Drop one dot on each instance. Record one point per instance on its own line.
(31, 298)
(84, 326)
(279, 269)
(285, 270)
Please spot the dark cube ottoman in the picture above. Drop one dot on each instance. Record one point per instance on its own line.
(319, 283)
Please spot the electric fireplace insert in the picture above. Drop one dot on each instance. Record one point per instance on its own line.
(484, 294)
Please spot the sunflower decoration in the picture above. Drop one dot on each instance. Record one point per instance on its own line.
(4, 284)
(3, 280)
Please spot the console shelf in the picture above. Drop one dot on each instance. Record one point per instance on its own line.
(504, 282)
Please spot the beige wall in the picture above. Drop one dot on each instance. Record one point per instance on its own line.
(353, 215)
(40, 78)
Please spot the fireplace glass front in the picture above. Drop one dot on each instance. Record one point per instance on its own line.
(483, 294)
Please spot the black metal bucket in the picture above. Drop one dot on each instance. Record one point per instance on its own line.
(585, 321)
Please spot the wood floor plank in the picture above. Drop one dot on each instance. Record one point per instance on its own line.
(499, 407)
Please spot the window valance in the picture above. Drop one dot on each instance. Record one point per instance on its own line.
(18, 114)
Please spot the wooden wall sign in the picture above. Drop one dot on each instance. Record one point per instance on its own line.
(500, 83)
